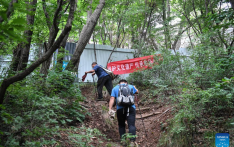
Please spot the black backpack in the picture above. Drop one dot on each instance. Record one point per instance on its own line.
(125, 96)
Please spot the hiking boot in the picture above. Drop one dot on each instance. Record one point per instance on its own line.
(133, 144)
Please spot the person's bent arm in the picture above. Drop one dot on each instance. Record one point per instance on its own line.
(136, 90)
(91, 71)
(112, 100)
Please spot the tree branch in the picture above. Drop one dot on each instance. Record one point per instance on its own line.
(151, 11)
(54, 28)
(232, 3)
(65, 10)
(230, 47)
(178, 36)
(85, 36)
(189, 21)
(55, 23)
(118, 37)
(20, 76)
(223, 41)
(117, 41)
(199, 25)
(46, 14)
(28, 33)
(122, 38)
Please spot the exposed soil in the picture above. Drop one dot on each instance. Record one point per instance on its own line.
(155, 116)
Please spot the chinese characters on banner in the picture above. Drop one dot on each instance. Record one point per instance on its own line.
(132, 65)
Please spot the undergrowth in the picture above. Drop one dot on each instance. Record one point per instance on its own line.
(201, 114)
(200, 90)
(37, 110)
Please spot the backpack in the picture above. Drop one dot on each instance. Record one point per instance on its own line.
(110, 73)
(125, 96)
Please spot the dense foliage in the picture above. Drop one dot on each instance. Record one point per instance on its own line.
(199, 85)
(34, 112)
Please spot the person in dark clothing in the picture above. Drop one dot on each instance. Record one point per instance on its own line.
(103, 79)
(124, 113)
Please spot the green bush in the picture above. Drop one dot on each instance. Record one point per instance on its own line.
(34, 112)
(194, 85)
(201, 114)
(59, 82)
(85, 136)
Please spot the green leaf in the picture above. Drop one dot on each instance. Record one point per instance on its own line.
(19, 20)
(3, 15)
(63, 122)
(10, 32)
(229, 95)
(2, 107)
(184, 89)
(19, 27)
(69, 120)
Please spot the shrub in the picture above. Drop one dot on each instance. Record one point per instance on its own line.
(33, 112)
(201, 114)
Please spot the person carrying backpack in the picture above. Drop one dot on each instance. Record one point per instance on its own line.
(123, 94)
(103, 79)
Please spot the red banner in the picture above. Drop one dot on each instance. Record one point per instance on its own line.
(132, 65)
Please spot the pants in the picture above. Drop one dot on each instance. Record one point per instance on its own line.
(122, 116)
(107, 81)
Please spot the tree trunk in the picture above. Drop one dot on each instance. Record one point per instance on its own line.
(166, 24)
(89, 12)
(20, 76)
(156, 48)
(149, 21)
(53, 26)
(232, 3)
(190, 39)
(28, 33)
(94, 49)
(85, 36)
(45, 66)
(16, 57)
(103, 30)
(17, 50)
(61, 50)
(230, 50)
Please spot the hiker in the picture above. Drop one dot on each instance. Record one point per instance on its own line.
(126, 112)
(103, 79)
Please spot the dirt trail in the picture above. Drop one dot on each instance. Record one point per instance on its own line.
(154, 117)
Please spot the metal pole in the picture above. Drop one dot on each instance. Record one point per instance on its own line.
(141, 116)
